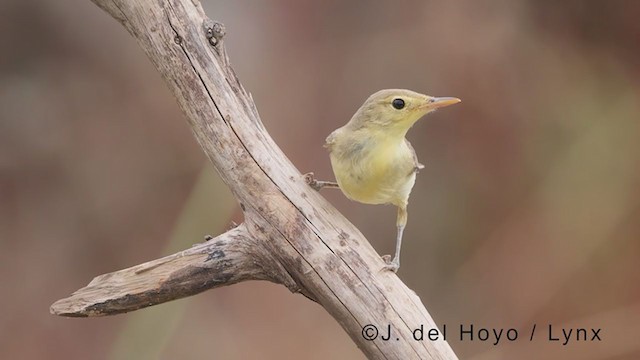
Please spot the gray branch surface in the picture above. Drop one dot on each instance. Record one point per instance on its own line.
(291, 235)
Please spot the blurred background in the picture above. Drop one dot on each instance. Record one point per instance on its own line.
(527, 211)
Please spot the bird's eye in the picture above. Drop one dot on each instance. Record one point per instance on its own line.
(398, 103)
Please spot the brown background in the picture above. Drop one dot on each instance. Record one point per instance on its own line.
(527, 212)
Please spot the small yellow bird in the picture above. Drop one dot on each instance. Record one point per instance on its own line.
(372, 161)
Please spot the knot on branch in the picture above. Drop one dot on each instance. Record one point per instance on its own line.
(214, 31)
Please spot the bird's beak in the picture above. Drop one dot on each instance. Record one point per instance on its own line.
(438, 102)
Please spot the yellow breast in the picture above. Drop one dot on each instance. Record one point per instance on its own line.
(375, 172)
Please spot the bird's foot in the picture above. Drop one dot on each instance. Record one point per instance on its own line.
(317, 184)
(391, 265)
(311, 181)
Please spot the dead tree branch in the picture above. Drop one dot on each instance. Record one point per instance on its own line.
(291, 235)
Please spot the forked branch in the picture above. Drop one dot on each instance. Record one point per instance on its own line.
(291, 235)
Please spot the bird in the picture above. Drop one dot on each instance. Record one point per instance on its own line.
(372, 161)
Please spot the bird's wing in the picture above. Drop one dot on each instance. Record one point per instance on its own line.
(331, 139)
(417, 164)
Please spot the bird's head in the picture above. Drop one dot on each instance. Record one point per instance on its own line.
(398, 109)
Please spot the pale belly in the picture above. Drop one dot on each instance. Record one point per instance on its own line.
(377, 177)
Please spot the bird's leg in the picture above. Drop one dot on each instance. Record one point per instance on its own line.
(401, 221)
(317, 184)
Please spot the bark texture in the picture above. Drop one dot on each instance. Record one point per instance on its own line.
(291, 235)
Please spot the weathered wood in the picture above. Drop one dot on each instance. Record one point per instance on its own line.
(291, 235)
(224, 260)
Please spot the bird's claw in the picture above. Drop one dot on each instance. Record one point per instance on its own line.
(311, 181)
(318, 185)
(390, 265)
